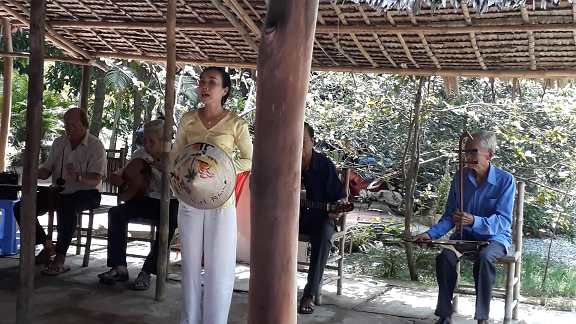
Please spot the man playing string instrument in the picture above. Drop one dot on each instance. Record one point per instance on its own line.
(322, 185)
(146, 207)
(486, 216)
(79, 160)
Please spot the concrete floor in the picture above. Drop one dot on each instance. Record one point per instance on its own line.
(77, 297)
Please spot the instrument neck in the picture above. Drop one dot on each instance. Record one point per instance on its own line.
(314, 205)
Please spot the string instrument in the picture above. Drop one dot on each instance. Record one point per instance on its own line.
(331, 208)
(135, 179)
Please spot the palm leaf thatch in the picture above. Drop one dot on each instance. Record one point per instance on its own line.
(480, 6)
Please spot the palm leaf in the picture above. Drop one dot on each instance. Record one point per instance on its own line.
(118, 78)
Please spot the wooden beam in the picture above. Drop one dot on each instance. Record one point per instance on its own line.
(354, 38)
(51, 34)
(277, 155)
(6, 93)
(531, 40)
(351, 69)
(24, 308)
(376, 37)
(336, 41)
(237, 24)
(161, 273)
(48, 58)
(402, 42)
(85, 88)
(424, 42)
(327, 29)
(243, 15)
(473, 41)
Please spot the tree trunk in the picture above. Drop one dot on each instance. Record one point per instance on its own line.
(137, 107)
(117, 110)
(411, 177)
(98, 108)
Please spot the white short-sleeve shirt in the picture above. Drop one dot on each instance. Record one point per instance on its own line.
(88, 157)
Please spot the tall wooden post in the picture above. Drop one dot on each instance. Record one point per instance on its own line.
(31, 153)
(167, 134)
(85, 88)
(284, 60)
(7, 92)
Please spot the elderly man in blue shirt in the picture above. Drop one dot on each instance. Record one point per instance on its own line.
(322, 185)
(486, 216)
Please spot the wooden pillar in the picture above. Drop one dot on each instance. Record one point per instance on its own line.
(167, 134)
(284, 61)
(31, 152)
(7, 92)
(85, 88)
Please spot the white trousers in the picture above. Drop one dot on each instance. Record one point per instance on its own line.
(214, 233)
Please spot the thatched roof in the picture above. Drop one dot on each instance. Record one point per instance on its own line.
(510, 39)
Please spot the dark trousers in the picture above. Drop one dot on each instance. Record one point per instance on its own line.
(484, 278)
(68, 207)
(320, 233)
(118, 218)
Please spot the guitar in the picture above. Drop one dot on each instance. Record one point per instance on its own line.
(136, 180)
(331, 208)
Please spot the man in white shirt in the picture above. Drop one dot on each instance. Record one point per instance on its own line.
(147, 207)
(79, 159)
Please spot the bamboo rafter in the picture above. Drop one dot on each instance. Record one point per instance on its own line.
(466, 13)
(230, 46)
(238, 25)
(401, 39)
(424, 42)
(531, 40)
(376, 37)
(353, 36)
(241, 13)
(574, 19)
(191, 10)
(68, 12)
(336, 42)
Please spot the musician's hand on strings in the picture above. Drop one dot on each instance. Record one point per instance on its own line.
(44, 174)
(116, 180)
(340, 201)
(72, 171)
(157, 164)
(463, 219)
(422, 239)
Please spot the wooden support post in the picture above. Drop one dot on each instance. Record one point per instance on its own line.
(278, 155)
(7, 92)
(85, 88)
(31, 153)
(168, 122)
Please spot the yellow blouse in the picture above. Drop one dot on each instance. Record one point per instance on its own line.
(230, 131)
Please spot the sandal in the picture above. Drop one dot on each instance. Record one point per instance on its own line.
(55, 270)
(142, 282)
(112, 276)
(306, 305)
(41, 257)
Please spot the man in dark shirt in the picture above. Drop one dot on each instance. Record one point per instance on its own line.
(322, 185)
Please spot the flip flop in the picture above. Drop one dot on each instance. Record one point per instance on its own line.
(108, 279)
(142, 282)
(61, 269)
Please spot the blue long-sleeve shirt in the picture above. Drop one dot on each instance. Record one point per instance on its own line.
(491, 204)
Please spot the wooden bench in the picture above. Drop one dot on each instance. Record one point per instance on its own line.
(512, 262)
(340, 236)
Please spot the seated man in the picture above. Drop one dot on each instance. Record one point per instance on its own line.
(322, 185)
(147, 207)
(486, 216)
(79, 159)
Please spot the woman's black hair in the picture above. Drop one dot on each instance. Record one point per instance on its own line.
(226, 81)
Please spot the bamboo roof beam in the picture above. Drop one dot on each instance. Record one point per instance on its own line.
(376, 37)
(252, 9)
(424, 41)
(531, 40)
(198, 49)
(336, 41)
(230, 46)
(194, 12)
(327, 29)
(48, 58)
(51, 34)
(61, 7)
(574, 19)
(466, 13)
(401, 39)
(237, 24)
(243, 15)
(530, 74)
(96, 34)
(354, 38)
